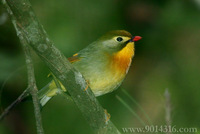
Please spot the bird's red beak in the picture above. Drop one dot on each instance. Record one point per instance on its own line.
(136, 38)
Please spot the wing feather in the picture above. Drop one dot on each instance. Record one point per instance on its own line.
(74, 58)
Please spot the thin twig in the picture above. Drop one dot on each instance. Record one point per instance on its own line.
(13, 104)
(131, 110)
(2, 87)
(138, 105)
(33, 88)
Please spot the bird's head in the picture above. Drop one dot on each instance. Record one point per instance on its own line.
(114, 41)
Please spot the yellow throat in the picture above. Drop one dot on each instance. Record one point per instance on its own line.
(121, 60)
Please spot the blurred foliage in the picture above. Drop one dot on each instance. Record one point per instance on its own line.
(167, 57)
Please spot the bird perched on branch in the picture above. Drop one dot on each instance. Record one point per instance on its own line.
(104, 64)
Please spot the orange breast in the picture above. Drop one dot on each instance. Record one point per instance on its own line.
(122, 59)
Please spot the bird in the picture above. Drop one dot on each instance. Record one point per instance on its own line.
(104, 64)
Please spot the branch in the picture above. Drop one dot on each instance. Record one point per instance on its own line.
(31, 78)
(32, 85)
(12, 105)
(27, 23)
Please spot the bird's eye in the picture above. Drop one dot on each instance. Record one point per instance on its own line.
(119, 39)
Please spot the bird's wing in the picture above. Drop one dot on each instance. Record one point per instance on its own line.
(74, 58)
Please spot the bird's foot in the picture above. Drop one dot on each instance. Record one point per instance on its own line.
(88, 84)
(107, 115)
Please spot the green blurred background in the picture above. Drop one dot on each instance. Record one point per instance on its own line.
(168, 57)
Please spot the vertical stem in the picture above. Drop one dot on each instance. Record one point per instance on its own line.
(33, 88)
(30, 71)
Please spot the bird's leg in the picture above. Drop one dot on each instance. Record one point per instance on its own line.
(107, 115)
(88, 84)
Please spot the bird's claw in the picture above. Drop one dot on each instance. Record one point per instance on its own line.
(107, 115)
(88, 84)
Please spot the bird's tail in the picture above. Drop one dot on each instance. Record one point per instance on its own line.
(47, 92)
(50, 90)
